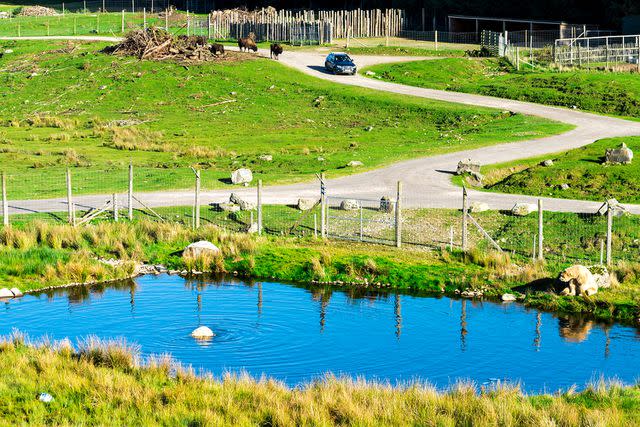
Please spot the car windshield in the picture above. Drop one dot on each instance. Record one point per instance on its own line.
(342, 58)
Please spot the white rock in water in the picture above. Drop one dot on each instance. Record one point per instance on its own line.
(202, 332)
(6, 293)
(619, 156)
(523, 209)
(244, 205)
(478, 207)
(201, 248)
(350, 205)
(241, 176)
(16, 292)
(508, 297)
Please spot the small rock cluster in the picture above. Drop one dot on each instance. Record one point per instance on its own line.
(471, 293)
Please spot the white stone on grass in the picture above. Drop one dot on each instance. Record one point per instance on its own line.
(244, 204)
(6, 293)
(241, 176)
(201, 248)
(306, 203)
(523, 209)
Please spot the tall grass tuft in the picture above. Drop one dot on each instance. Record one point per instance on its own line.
(116, 354)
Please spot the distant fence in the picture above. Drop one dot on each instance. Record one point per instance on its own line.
(81, 197)
(598, 51)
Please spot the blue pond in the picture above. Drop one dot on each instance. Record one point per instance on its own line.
(296, 333)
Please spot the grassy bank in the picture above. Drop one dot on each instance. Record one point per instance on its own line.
(71, 106)
(103, 383)
(581, 169)
(607, 93)
(43, 255)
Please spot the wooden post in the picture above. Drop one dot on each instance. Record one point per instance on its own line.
(399, 215)
(144, 18)
(315, 226)
(361, 223)
(166, 19)
(540, 231)
(72, 219)
(115, 207)
(196, 201)
(465, 210)
(609, 233)
(638, 59)
(130, 193)
(436, 39)
(75, 26)
(122, 24)
(5, 202)
(209, 26)
(259, 207)
(517, 58)
(323, 208)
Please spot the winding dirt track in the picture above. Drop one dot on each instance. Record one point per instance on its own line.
(427, 181)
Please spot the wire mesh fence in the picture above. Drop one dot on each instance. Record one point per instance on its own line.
(195, 198)
(598, 51)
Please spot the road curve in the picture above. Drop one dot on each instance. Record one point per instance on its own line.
(427, 181)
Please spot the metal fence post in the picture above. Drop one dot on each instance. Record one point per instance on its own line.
(465, 209)
(115, 207)
(399, 215)
(130, 193)
(5, 202)
(540, 231)
(259, 207)
(609, 233)
(323, 208)
(196, 201)
(72, 219)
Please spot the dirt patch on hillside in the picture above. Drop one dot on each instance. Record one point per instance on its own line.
(156, 44)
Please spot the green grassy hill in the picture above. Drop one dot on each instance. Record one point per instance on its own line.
(608, 93)
(68, 105)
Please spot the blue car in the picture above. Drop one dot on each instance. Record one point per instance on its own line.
(340, 63)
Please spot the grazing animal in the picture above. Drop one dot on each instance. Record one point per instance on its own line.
(247, 43)
(217, 48)
(580, 281)
(276, 50)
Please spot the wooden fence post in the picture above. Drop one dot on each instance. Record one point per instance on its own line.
(166, 20)
(5, 202)
(72, 219)
(399, 215)
(436, 39)
(144, 18)
(609, 232)
(130, 193)
(323, 208)
(465, 210)
(115, 207)
(196, 201)
(540, 231)
(122, 22)
(259, 207)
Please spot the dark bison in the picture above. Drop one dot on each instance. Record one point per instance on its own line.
(247, 43)
(276, 50)
(217, 49)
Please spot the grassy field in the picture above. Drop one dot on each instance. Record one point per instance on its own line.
(104, 383)
(608, 93)
(582, 169)
(72, 106)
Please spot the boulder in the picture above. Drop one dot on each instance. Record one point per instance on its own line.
(547, 163)
(478, 207)
(350, 205)
(228, 207)
(241, 176)
(306, 203)
(564, 186)
(386, 205)
(201, 248)
(16, 292)
(355, 163)
(619, 156)
(508, 297)
(266, 158)
(244, 205)
(202, 332)
(523, 209)
(468, 166)
(601, 276)
(6, 293)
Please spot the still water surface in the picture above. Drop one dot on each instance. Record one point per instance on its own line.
(296, 333)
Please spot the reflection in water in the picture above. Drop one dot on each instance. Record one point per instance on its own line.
(322, 295)
(259, 299)
(463, 325)
(574, 328)
(537, 338)
(398, 315)
(132, 296)
(607, 349)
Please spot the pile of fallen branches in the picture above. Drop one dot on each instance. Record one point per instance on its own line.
(37, 11)
(157, 44)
